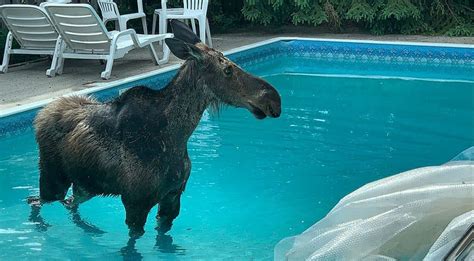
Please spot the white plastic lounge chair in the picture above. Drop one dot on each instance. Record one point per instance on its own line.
(31, 28)
(84, 36)
(110, 12)
(193, 10)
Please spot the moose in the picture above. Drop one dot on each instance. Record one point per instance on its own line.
(135, 146)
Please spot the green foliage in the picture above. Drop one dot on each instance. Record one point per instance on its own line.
(461, 30)
(450, 17)
(313, 15)
(361, 11)
(399, 10)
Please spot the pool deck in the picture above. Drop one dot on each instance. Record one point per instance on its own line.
(28, 83)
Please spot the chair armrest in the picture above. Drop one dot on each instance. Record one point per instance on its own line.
(130, 32)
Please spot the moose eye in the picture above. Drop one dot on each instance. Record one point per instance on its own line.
(228, 70)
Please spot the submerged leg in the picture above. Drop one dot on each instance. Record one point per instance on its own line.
(164, 243)
(53, 183)
(35, 216)
(136, 214)
(72, 203)
(168, 211)
(53, 186)
(130, 252)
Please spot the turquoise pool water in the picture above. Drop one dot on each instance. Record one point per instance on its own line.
(254, 182)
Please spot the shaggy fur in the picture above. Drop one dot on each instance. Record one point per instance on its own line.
(136, 145)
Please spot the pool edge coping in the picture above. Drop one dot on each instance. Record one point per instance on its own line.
(37, 104)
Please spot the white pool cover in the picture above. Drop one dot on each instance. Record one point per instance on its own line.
(417, 214)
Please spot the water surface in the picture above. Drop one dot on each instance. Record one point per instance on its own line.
(254, 182)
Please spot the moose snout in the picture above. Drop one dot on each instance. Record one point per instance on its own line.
(263, 100)
(267, 104)
(273, 103)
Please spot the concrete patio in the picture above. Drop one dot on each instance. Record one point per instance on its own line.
(28, 83)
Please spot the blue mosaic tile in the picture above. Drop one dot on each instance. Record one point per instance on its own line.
(345, 56)
(12, 124)
(387, 53)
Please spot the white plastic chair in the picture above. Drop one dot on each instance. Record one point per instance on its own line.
(84, 36)
(110, 12)
(192, 10)
(55, 2)
(31, 28)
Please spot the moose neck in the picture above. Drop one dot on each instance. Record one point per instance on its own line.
(189, 98)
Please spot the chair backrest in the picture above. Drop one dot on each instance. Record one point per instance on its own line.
(42, 4)
(58, 1)
(79, 26)
(190, 6)
(195, 5)
(109, 10)
(30, 26)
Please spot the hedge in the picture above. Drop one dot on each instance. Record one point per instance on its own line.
(439, 17)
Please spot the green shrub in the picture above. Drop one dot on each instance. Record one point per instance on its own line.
(450, 17)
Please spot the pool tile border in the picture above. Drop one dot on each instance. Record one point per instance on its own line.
(21, 117)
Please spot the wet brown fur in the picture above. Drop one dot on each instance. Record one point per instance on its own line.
(136, 145)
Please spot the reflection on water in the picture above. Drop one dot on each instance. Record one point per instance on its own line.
(36, 219)
(205, 140)
(163, 244)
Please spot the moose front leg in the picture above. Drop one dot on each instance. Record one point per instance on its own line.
(168, 211)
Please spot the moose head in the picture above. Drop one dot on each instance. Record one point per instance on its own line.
(224, 80)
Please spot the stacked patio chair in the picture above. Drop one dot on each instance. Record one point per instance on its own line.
(71, 31)
(192, 10)
(110, 12)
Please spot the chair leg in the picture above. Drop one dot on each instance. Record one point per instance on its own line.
(208, 32)
(193, 25)
(122, 24)
(166, 55)
(153, 26)
(202, 29)
(156, 60)
(165, 26)
(51, 72)
(110, 62)
(145, 30)
(59, 70)
(162, 26)
(6, 53)
(117, 25)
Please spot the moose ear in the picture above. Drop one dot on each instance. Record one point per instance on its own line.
(183, 32)
(183, 50)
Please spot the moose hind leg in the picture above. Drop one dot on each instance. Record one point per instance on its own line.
(168, 211)
(53, 182)
(136, 214)
(72, 203)
(79, 196)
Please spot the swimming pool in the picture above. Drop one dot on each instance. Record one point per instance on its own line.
(353, 112)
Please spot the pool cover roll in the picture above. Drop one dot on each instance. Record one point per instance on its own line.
(418, 214)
